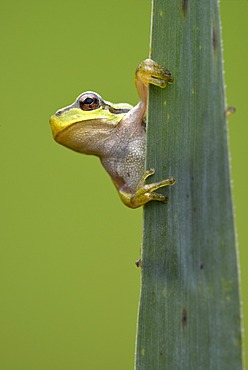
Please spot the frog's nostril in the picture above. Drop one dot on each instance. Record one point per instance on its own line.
(58, 113)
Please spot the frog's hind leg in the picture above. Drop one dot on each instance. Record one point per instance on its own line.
(144, 192)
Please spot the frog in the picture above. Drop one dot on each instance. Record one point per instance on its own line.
(116, 133)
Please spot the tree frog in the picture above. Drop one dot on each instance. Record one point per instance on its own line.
(116, 133)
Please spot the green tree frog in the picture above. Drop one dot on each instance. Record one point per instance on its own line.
(116, 133)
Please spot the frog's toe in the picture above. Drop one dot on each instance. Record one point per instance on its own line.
(159, 197)
(171, 180)
(161, 73)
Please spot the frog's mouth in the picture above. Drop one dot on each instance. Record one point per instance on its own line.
(88, 137)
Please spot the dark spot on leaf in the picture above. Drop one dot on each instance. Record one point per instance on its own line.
(184, 317)
(229, 111)
(214, 38)
(138, 262)
(184, 6)
(201, 266)
(161, 353)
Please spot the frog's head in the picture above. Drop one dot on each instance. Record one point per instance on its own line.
(88, 117)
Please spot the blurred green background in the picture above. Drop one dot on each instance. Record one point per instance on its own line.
(69, 288)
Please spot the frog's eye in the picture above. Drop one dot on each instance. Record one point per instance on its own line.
(89, 102)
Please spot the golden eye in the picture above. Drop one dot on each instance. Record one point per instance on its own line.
(89, 102)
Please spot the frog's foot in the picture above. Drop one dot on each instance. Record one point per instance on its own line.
(144, 192)
(150, 72)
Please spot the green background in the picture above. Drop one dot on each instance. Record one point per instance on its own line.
(69, 288)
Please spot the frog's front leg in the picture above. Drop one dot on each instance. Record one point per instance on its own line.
(150, 72)
(144, 192)
(147, 72)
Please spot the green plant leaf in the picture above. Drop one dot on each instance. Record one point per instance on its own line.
(189, 314)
